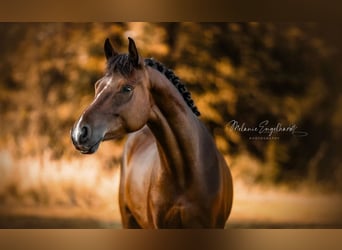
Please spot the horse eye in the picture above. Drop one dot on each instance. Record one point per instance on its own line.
(126, 89)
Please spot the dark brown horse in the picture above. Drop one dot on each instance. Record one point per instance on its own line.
(172, 175)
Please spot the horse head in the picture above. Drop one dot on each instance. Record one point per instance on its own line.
(121, 104)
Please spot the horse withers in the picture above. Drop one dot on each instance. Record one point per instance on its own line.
(172, 174)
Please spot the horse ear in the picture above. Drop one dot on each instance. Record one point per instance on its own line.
(108, 49)
(133, 53)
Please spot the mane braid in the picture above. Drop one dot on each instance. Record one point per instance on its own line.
(175, 81)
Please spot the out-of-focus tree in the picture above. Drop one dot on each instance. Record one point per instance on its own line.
(47, 77)
(253, 72)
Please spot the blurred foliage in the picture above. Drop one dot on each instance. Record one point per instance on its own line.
(249, 72)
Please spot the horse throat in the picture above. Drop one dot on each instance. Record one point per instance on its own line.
(175, 128)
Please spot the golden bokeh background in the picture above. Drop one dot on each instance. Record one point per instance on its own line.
(286, 73)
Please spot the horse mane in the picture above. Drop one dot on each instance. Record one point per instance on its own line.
(121, 63)
(170, 75)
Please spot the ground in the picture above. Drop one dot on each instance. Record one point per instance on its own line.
(252, 208)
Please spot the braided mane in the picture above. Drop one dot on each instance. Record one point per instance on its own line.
(175, 81)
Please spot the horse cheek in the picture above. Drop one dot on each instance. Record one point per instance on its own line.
(139, 114)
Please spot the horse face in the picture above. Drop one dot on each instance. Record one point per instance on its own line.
(121, 104)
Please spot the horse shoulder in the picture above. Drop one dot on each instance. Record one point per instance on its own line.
(139, 160)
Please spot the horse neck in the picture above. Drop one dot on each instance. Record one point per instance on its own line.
(175, 128)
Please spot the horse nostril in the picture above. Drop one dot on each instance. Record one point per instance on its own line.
(85, 134)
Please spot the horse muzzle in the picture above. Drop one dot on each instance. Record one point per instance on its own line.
(81, 138)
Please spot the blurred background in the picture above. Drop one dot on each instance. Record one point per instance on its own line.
(287, 73)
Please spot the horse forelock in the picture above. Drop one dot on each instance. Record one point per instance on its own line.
(120, 63)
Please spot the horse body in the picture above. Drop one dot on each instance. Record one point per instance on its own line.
(172, 175)
(151, 197)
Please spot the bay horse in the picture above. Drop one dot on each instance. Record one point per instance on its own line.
(172, 174)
